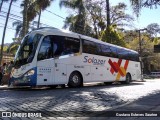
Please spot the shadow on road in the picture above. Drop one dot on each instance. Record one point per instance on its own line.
(86, 86)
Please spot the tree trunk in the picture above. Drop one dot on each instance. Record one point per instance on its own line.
(108, 13)
(24, 31)
(39, 18)
(4, 31)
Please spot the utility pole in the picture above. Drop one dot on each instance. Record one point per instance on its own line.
(1, 3)
(4, 31)
(140, 50)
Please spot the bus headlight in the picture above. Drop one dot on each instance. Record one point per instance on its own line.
(30, 72)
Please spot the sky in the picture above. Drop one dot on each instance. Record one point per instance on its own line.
(147, 16)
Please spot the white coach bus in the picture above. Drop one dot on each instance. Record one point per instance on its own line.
(49, 56)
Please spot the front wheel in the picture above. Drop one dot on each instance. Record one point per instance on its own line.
(75, 80)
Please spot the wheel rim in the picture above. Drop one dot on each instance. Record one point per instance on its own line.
(75, 79)
(128, 78)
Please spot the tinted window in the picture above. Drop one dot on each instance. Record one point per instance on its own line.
(133, 56)
(91, 47)
(65, 45)
(71, 45)
(52, 46)
(123, 54)
(45, 51)
(113, 52)
(106, 51)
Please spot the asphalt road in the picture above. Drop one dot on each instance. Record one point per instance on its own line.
(92, 100)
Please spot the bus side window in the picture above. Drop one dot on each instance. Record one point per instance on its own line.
(45, 51)
(64, 45)
(105, 50)
(91, 47)
(71, 45)
(114, 52)
(122, 53)
(58, 45)
(133, 56)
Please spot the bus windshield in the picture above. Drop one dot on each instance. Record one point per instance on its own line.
(27, 49)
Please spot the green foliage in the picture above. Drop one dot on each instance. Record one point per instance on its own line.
(4, 48)
(112, 36)
(149, 58)
(14, 49)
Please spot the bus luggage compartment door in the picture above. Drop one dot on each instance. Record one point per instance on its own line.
(45, 72)
(60, 73)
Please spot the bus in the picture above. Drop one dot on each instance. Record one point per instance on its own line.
(51, 57)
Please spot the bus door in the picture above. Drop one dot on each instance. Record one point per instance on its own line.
(60, 72)
(45, 63)
(60, 60)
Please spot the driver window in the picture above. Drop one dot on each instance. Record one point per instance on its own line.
(45, 51)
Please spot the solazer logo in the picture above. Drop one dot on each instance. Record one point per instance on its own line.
(116, 67)
(93, 61)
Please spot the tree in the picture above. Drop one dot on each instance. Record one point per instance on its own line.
(4, 31)
(24, 4)
(108, 13)
(119, 17)
(138, 4)
(32, 8)
(110, 35)
(80, 19)
(96, 17)
(149, 58)
(38, 6)
(19, 26)
(153, 29)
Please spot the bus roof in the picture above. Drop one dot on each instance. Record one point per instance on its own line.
(62, 32)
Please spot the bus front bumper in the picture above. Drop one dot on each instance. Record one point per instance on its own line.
(22, 81)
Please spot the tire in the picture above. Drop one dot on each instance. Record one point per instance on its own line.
(128, 79)
(53, 86)
(75, 80)
(108, 83)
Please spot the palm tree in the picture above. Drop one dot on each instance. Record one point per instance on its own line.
(108, 13)
(19, 26)
(138, 4)
(32, 8)
(39, 6)
(4, 31)
(24, 4)
(80, 22)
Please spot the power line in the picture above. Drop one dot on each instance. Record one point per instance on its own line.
(12, 14)
(55, 14)
(16, 5)
(8, 28)
(11, 11)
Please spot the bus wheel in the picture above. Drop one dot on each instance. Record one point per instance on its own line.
(53, 86)
(75, 80)
(108, 83)
(128, 79)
